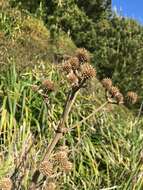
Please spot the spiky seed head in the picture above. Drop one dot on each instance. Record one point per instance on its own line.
(35, 88)
(50, 186)
(6, 184)
(119, 98)
(72, 78)
(107, 83)
(83, 55)
(46, 168)
(48, 85)
(74, 62)
(66, 67)
(67, 166)
(61, 156)
(87, 71)
(114, 90)
(132, 97)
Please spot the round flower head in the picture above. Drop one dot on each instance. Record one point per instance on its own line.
(107, 83)
(83, 55)
(132, 97)
(35, 88)
(48, 85)
(61, 156)
(87, 71)
(46, 168)
(113, 90)
(67, 166)
(72, 78)
(6, 184)
(119, 98)
(66, 67)
(74, 62)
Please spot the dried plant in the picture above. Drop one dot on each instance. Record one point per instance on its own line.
(132, 97)
(6, 184)
(78, 72)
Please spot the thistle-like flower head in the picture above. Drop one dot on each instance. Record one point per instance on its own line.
(66, 67)
(87, 71)
(46, 168)
(113, 91)
(6, 184)
(132, 97)
(119, 98)
(83, 55)
(72, 78)
(48, 85)
(67, 166)
(74, 62)
(107, 83)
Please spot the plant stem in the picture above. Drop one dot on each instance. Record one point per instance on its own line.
(59, 133)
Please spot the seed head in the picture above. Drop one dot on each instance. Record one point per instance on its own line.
(119, 98)
(114, 90)
(87, 71)
(35, 88)
(107, 83)
(6, 184)
(72, 78)
(50, 186)
(48, 85)
(67, 67)
(132, 97)
(61, 156)
(83, 55)
(74, 62)
(67, 166)
(46, 168)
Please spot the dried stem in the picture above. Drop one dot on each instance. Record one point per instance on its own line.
(59, 132)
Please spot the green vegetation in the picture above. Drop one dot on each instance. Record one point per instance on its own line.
(105, 145)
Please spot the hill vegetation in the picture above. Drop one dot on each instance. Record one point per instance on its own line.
(104, 138)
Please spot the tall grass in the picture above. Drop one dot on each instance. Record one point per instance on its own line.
(106, 148)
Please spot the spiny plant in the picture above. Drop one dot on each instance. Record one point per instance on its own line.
(55, 161)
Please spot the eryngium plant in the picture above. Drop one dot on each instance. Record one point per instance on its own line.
(78, 71)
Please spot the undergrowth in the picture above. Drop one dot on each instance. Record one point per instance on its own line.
(106, 148)
(105, 145)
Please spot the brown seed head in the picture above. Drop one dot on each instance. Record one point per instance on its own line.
(48, 85)
(6, 184)
(61, 156)
(87, 71)
(119, 98)
(74, 62)
(107, 83)
(67, 166)
(50, 186)
(35, 88)
(67, 67)
(46, 168)
(83, 55)
(114, 90)
(132, 97)
(72, 78)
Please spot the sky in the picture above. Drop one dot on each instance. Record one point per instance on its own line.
(129, 8)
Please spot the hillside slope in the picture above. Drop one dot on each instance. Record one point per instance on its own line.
(26, 41)
(105, 145)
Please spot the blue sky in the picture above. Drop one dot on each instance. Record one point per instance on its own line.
(130, 8)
